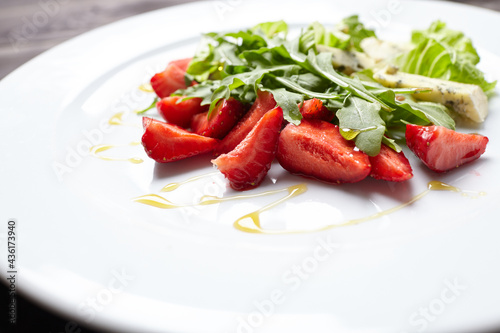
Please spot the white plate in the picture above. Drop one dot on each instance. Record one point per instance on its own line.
(88, 251)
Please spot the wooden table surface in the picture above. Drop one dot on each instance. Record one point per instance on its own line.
(57, 21)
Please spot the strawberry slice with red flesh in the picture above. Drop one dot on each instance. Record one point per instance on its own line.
(171, 79)
(443, 149)
(178, 112)
(167, 143)
(264, 102)
(246, 166)
(221, 120)
(316, 149)
(390, 165)
(314, 109)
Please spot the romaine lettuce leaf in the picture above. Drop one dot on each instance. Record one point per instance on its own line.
(445, 54)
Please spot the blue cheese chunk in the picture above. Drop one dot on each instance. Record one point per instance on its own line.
(382, 51)
(347, 62)
(466, 99)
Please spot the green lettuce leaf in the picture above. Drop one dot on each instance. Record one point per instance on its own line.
(271, 29)
(408, 110)
(360, 121)
(356, 31)
(448, 37)
(239, 64)
(445, 54)
(317, 34)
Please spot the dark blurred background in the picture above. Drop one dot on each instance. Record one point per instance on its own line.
(64, 20)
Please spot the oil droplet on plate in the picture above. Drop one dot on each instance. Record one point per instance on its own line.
(116, 119)
(250, 222)
(352, 133)
(440, 186)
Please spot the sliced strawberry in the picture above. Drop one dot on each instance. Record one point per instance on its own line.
(442, 149)
(316, 149)
(262, 104)
(222, 119)
(246, 166)
(183, 64)
(390, 165)
(167, 143)
(171, 79)
(180, 113)
(314, 109)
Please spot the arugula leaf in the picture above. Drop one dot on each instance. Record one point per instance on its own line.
(204, 62)
(348, 36)
(151, 106)
(288, 101)
(239, 64)
(360, 120)
(271, 29)
(436, 113)
(317, 34)
(204, 90)
(406, 107)
(244, 40)
(291, 84)
(322, 63)
(391, 143)
(219, 50)
(251, 78)
(356, 30)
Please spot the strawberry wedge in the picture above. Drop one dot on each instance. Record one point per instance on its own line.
(178, 112)
(222, 119)
(167, 143)
(390, 165)
(316, 149)
(246, 166)
(442, 149)
(314, 109)
(264, 102)
(171, 79)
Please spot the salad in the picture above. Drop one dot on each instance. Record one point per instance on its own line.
(331, 104)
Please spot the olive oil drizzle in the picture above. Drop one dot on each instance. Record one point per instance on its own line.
(161, 202)
(96, 150)
(378, 214)
(293, 191)
(117, 120)
(173, 186)
(210, 199)
(146, 87)
(431, 186)
(157, 201)
(250, 222)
